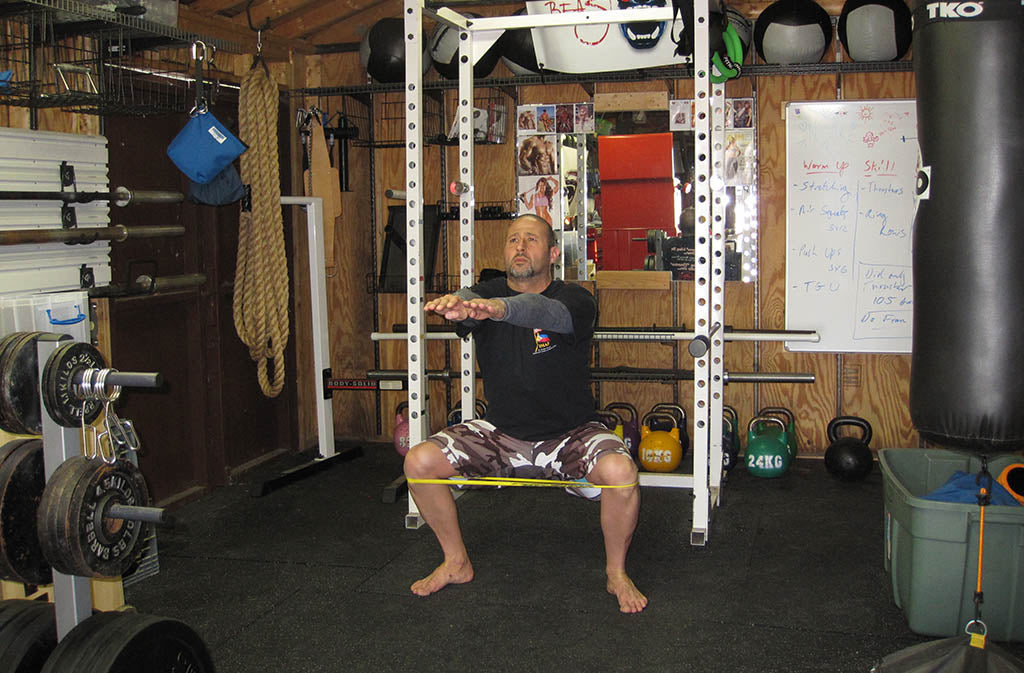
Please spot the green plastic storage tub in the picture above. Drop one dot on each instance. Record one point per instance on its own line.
(931, 548)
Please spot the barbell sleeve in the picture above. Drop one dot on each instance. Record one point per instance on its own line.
(86, 235)
(764, 377)
(129, 196)
(121, 196)
(157, 515)
(126, 379)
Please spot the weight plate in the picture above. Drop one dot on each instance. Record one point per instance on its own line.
(21, 488)
(6, 423)
(127, 642)
(19, 386)
(73, 649)
(27, 639)
(59, 395)
(76, 536)
(11, 608)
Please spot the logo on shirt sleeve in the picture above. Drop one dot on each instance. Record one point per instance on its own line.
(542, 341)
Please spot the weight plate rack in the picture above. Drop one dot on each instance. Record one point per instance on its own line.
(66, 517)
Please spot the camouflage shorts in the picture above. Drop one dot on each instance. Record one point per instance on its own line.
(477, 449)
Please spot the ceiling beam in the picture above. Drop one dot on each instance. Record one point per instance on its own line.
(275, 47)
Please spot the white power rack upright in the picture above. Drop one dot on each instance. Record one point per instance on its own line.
(709, 285)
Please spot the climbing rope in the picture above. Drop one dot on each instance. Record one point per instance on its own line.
(260, 305)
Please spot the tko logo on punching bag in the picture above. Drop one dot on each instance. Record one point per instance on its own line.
(954, 10)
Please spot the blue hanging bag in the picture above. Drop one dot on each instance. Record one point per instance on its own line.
(205, 147)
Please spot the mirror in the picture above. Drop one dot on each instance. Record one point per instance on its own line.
(675, 249)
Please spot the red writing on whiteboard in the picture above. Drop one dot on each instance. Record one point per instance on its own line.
(879, 167)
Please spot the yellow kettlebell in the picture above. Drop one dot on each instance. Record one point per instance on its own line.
(660, 450)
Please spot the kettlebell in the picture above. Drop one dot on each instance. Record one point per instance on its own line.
(790, 426)
(630, 428)
(679, 415)
(401, 436)
(730, 437)
(660, 450)
(611, 420)
(455, 414)
(849, 458)
(767, 453)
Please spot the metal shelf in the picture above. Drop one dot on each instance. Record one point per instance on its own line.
(80, 58)
(667, 72)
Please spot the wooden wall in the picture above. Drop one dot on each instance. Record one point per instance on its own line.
(873, 386)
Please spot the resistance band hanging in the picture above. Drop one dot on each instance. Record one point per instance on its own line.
(976, 628)
(260, 307)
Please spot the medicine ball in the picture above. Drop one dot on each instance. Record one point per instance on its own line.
(792, 31)
(444, 50)
(875, 30)
(382, 51)
(517, 50)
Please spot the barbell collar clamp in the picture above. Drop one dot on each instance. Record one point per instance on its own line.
(701, 343)
(156, 515)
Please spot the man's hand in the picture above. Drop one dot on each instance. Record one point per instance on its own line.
(455, 308)
(450, 306)
(486, 309)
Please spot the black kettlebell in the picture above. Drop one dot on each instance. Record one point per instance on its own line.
(849, 458)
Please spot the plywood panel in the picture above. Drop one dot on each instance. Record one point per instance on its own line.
(813, 405)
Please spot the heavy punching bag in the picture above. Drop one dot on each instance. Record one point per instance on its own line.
(966, 386)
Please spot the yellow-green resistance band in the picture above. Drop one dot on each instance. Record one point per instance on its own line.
(516, 481)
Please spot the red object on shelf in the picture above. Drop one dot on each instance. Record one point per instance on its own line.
(636, 195)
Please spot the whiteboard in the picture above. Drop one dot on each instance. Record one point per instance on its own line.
(851, 169)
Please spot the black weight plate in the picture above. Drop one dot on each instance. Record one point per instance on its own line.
(72, 651)
(19, 385)
(5, 345)
(22, 480)
(11, 608)
(75, 536)
(52, 519)
(138, 643)
(59, 395)
(27, 641)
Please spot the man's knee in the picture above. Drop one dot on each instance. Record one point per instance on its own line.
(614, 468)
(426, 460)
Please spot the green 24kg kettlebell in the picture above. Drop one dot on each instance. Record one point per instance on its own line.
(790, 426)
(767, 452)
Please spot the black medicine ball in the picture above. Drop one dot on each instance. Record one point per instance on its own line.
(444, 51)
(517, 50)
(875, 30)
(792, 31)
(382, 51)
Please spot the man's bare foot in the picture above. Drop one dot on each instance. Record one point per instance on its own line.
(445, 574)
(630, 598)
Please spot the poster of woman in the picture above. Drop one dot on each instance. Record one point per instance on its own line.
(540, 196)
